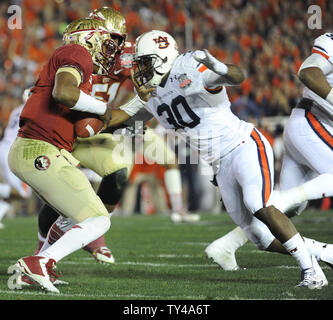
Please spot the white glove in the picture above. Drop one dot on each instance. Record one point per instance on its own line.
(212, 63)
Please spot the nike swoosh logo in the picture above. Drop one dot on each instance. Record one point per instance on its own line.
(118, 71)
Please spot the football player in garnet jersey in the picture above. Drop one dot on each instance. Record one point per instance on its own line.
(308, 140)
(96, 153)
(41, 154)
(104, 87)
(191, 98)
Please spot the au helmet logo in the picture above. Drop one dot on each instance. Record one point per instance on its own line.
(162, 41)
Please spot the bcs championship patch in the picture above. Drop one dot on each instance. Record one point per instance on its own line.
(184, 81)
(42, 163)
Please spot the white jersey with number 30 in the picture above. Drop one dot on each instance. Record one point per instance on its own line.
(201, 114)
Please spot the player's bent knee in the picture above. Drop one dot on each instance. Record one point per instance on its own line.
(259, 234)
(102, 223)
(112, 186)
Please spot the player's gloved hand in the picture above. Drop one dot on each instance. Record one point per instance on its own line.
(143, 92)
(212, 63)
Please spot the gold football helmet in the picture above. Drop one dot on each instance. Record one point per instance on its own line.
(93, 35)
(115, 23)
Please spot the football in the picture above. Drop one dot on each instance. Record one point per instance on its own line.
(88, 125)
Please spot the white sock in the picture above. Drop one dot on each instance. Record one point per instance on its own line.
(77, 237)
(317, 188)
(174, 187)
(233, 240)
(4, 190)
(297, 248)
(314, 247)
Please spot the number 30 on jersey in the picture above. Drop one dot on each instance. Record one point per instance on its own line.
(174, 113)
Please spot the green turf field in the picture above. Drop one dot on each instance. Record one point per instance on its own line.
(158, 260)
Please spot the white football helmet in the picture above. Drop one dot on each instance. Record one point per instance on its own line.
(155, 53)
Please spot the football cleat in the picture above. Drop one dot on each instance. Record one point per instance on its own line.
(320, 273)
(225, 258)
(311, 279)
(177, 217)
(103, 255)
(23, 280)
(40, 271)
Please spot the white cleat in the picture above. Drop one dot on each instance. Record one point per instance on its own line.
(311, 280)
(24, 281)
(319, 271)
(225, 258)
(185, 217)
(39, 270)
(103, 255)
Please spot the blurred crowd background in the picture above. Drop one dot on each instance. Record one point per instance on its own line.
(268, 38)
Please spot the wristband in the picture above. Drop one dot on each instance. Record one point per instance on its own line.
(329, 97)
(87, 103)
(220, 68)
(132, 106)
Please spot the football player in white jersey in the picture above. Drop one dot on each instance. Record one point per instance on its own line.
(306, 172)
(13, 186)
(191, 98)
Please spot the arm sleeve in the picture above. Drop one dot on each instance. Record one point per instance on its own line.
(323, 45)
(77, 57)
(319, 61)
(212, 81)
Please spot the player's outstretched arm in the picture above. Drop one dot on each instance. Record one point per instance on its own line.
(220, 73)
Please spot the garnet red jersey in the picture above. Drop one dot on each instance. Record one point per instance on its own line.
(42, 118)
(106, 88)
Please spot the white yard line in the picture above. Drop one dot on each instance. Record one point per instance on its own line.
(148, 264)
(29, 293)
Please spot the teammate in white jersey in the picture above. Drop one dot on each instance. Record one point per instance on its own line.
(190, 97)
(306, 172)
(13, 186)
